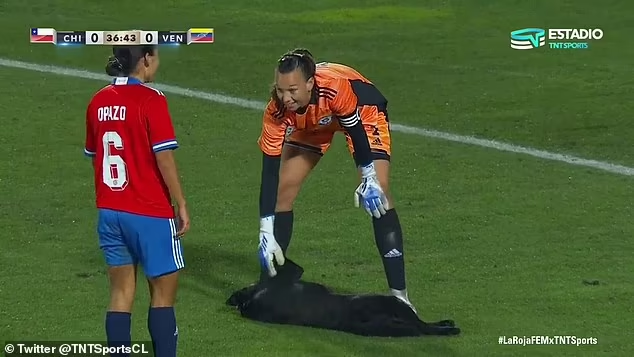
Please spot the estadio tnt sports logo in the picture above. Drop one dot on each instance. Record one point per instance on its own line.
(558, 39)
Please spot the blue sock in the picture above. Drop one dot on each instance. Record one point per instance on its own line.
(118, 329)
(161, 322)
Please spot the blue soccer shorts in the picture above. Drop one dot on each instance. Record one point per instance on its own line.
(151, 242)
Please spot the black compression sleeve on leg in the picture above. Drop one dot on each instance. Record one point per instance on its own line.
(283, 229)
(389, 241)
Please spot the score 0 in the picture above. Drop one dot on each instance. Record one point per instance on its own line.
(149, 37)
(94, 37)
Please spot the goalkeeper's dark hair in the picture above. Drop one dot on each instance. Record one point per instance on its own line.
(124, 59)
(299, 58)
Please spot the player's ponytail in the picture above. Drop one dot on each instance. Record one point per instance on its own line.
(125, 59)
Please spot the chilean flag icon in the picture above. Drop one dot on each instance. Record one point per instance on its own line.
(40, 35)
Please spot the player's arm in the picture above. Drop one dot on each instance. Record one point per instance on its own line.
(90, 148)
(163, 140)
(167, 165)
(271, 141)
(344, 107)
(268, 184)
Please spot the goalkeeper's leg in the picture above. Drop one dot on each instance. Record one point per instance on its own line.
(387, 229)
(296, 164)
(389, 237)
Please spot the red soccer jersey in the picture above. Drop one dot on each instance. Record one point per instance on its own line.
(127, 122)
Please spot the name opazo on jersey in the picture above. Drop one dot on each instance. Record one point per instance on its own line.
(127, 123)
(341, 96)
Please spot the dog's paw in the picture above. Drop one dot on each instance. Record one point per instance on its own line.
(450, 331)
(443, 323)
(441, 330)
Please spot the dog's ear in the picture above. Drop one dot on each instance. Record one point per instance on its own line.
(290, 272)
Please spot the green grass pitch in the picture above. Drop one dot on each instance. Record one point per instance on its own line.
(500, 242)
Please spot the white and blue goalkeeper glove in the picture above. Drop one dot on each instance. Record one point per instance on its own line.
(370, 193)
(269, 250)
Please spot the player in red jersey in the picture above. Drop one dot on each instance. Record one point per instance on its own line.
(130, 136)
(310, 103)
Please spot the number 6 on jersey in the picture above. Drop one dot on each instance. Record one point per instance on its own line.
(115, 175)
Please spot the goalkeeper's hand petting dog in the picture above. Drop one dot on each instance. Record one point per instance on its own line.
(285, 299)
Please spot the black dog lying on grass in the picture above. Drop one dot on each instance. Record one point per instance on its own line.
(285, 299)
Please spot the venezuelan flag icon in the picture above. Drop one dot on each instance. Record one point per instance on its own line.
(200, 35)
(40, 35)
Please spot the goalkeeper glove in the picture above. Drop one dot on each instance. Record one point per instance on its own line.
(370, 193)
(268, 249)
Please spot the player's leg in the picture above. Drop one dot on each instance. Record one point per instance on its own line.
(161, 319)
(121, 275)
(300, 155)
(161, 256)
(388, 234)
(297, 163)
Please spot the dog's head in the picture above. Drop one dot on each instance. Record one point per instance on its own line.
(241, 296)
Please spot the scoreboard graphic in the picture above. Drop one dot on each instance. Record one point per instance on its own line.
(122, 38)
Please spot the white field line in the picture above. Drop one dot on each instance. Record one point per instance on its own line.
(257, 105)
